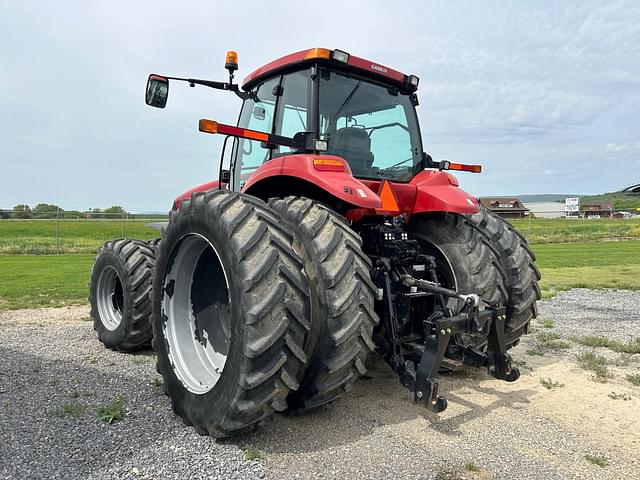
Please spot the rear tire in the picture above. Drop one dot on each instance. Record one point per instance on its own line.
(521, 273)
(230, 313)
(465, 261)
(119, 294)
(343, 296)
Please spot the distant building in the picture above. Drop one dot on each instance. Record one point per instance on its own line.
(508, 207)
(596, 210)
(546, 209)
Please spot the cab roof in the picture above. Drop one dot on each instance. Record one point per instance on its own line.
(337, 58)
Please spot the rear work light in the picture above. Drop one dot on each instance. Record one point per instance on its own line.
(329, 164)
(447, 165)
(413, 81)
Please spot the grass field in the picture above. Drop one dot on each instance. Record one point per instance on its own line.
(50, 280)
(560, 230)
(75, 236)
(20, 237)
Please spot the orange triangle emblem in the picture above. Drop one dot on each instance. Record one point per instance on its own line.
(389, 203)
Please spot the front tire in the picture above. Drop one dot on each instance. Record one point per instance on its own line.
(230, 313)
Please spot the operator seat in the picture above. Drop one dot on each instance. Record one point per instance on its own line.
(354, 145)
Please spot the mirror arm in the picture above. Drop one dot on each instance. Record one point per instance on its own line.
(212, 84)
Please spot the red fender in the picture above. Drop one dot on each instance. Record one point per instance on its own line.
(200, 188)
(341, 185)
(439, 192)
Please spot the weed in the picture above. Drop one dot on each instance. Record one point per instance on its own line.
(550, 384)
(157, 382)
(74, 393)
(139, 360)
(112, 412)
(631, 347)
(551, 340)
(597, 460)
(87, 319)
(547, 323)
(619, 396)
(471, 467)
(70, 410)
(252, 453)
(634, 378)
(597, 364)
(535, 351)
(93, 360)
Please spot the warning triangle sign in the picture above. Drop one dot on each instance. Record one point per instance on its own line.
(389, 203)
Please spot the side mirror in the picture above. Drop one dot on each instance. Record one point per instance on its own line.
(157, 91)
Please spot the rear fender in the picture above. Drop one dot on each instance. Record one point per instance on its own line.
(341, 185)
(438, 191)
(200, 188)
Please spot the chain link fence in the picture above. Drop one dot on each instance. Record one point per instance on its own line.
(83, 233)
(64, 232)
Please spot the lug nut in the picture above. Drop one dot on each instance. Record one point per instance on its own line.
(442, 332)
(419, 394)
(448, 330)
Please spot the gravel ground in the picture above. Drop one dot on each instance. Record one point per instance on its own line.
(56, 375)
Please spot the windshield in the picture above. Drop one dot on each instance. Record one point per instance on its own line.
(372, 126)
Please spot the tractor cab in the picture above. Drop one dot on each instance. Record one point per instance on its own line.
(365, 113)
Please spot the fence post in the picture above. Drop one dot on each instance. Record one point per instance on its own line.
(58, 231)
(123, 224)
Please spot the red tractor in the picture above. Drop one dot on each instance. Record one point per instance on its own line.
(330, 235)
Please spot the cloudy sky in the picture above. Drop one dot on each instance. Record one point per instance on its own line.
(546, 95)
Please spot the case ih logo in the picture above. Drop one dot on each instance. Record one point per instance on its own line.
(378, 68)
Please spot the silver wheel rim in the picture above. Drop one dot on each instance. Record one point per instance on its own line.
(110, 298)
(197, 309)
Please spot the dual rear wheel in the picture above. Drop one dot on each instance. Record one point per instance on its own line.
(259, 308)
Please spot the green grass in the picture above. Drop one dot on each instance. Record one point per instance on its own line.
(634, 379)
(112, 412)
(252, 453)
(560, 230)
(471, 467)
(588, 265)
(631, 347)
(43, 281)
(619, 396)
(550, 384)
(546, 323)
(76, 236)
(70, 410)
(551, 340)
(597, 364)
(597, 460)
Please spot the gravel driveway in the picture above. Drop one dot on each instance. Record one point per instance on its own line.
(55, 376)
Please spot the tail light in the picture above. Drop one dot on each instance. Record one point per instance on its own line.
(329, 164)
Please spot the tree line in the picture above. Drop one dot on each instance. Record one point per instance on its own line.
(47, 210)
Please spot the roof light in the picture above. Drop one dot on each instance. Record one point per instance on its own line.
(313, 53)
(340, 56)
(231, 61)
(329, 164)
(413, 81)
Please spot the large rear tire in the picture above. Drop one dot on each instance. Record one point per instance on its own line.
(119, 294)
(485, 256)
(343, 296)
(518, 263)
(230, 313)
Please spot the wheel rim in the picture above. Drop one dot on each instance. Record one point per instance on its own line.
(197, 308)
(110, 298)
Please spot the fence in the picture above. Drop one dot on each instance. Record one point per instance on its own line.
(543, 228)
(81, 233)
(60, 235)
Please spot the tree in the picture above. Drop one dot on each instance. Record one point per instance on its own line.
(5, 214)
(45, 210)
(114, 211)
(22, 211)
